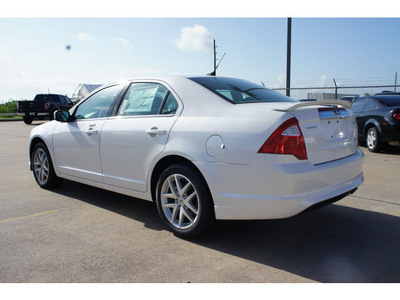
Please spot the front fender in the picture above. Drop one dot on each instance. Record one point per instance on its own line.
(43, 133)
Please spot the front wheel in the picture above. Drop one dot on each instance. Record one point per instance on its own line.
(43, 169)
(373, 142)
(184, 202)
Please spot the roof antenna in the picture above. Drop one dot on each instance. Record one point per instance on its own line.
(214, 73)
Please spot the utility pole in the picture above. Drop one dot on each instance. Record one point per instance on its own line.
(334, 81)
(289, 46)
(395, 81)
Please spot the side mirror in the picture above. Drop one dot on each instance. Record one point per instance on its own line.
(62, 116)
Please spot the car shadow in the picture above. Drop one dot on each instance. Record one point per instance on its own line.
(333, 244)
(36, 123)
(137, 209)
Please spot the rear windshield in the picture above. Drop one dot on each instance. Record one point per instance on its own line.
(390, 101)
(239, 91)
(46, 98)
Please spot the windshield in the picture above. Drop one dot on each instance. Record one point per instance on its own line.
(390, 101)
(239, 91)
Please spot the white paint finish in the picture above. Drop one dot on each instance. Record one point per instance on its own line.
(76, 148)
(127, 149)
(243, 183)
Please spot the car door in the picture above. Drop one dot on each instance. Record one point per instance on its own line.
(76, 143)
(132, 139)
(368, 115)
(357, 109)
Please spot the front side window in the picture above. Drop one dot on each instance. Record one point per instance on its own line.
(67, 100)
(62, 100)
(143, 99)
(97, 105)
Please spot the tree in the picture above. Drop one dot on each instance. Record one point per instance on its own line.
(8, 107)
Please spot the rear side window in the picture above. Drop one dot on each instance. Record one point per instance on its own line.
(170, 105)
(358, 105)
(238, 91)
(370, 105)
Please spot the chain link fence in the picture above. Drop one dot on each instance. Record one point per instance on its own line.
(300, 91)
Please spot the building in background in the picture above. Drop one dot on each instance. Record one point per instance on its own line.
(83, 90)
(328, 96)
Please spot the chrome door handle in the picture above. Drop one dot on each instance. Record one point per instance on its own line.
(91, 131)
(155, 131)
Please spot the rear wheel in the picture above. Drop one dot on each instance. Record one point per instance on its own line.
(373, 142)
(51, 114)
(43, 169)
(28, 120)
(184, 202)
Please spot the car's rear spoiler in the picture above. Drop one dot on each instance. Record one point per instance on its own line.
(345, 104)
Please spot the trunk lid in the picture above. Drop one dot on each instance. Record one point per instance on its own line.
(328, 127)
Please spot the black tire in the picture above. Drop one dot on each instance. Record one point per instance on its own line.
(27, 120)
(42, 167)
(372, 140)
(51, 113)
(184, 202)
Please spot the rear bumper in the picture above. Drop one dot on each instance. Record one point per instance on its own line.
(329, 201)
(278, 186)
(390, 133)
(33, 114)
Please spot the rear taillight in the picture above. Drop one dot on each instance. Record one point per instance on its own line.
(396, 116)
(17, 105)
(46, 105)
(286, 139)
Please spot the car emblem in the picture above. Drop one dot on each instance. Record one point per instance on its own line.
(336, 112)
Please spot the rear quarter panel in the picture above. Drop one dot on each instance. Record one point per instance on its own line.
(241, 130)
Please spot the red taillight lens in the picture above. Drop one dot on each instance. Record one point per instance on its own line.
(17, 105)
(396, 116)
(286, 139)
(46, 105)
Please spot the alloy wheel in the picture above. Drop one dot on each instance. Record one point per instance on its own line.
(371, 139)
(180, 202)
(41, 166)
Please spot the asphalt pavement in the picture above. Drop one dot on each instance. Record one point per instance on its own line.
(78, 233)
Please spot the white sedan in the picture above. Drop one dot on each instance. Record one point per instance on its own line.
(203, 148)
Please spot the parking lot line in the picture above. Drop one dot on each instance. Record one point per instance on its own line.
(29, 216)
(377, 200)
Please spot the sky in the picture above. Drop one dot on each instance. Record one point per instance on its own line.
(40, 54)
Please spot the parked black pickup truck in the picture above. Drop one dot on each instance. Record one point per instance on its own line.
(42, 107)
